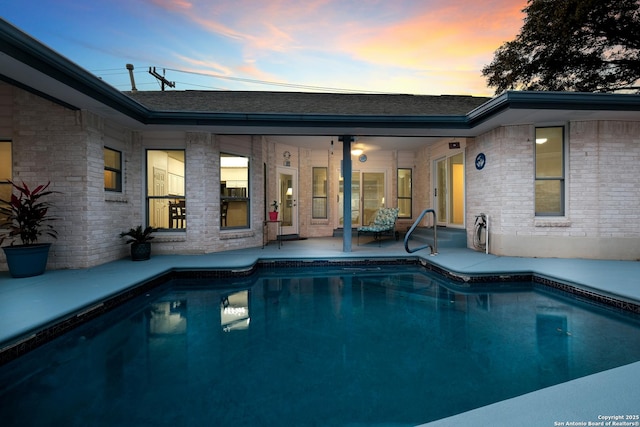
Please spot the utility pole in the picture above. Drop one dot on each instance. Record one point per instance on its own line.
(163, 81)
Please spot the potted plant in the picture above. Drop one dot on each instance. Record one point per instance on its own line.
(139, 239)
(273, 215)
(26, 217)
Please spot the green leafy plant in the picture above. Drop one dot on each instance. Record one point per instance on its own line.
(275, 205)
(26, 214)
(138, 234)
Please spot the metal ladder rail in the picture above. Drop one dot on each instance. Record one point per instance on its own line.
(434, 248)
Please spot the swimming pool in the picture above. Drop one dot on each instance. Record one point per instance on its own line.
(348, 346)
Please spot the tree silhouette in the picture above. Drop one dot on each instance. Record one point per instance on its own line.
(571, 45)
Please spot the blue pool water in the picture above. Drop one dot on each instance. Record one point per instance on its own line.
(355, 347)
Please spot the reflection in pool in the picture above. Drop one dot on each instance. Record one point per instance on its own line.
(378, 346)
(234, 311)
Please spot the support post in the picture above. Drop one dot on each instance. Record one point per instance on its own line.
(346, 176)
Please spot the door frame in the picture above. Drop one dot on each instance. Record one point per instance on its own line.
(288, 201)
(360, 207)
(443, 194)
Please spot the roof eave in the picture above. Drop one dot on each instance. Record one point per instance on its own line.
(536, 100)
(303, 120)
(22, 47)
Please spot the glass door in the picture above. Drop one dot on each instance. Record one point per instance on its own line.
(288, 199)
(367, 196)
(355, 199)
(372, 195)
(448, 192)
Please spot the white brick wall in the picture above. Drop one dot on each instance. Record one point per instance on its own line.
(605, 180)
(602, 201)
(203, 234)
(53, 143)
(48, 145)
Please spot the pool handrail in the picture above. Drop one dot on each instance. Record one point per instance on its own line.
(434, 248)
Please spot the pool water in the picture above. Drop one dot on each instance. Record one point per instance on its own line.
(351, 347)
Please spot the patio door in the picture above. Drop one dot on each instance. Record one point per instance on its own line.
(367, 195)
(373, 191)
(288, 199)
(355, 199)
(448, 192)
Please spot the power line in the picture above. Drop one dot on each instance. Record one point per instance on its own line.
(271, 83)
(121, 71)
(202, 86)
(110, 74)
(106, 69)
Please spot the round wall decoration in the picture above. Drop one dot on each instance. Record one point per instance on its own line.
(362, 158)
(480, 161)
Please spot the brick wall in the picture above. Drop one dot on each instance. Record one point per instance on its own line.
(64, 146)
(202, 150)
(605, 178)
(48, 145)
(53, 143)
(602, 217)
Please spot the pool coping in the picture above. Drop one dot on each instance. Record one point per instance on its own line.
(579, 291)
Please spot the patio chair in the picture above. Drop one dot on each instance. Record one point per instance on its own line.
(384, 223)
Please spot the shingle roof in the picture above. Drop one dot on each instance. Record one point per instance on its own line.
(307, 103)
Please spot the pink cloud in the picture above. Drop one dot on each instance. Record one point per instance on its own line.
(279, 26)
(435, 37)
(215, 69)
(458, 33)
(197, 65)
(249, 68)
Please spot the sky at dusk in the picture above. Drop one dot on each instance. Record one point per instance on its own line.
(430, 47)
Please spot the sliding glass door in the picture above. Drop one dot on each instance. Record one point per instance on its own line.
(367, 196)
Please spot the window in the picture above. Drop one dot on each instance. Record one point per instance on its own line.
(166, 203)
(404, 193)
(549, 158)
(319, 193)
(234, 191)
(6, 172)
(112, 170)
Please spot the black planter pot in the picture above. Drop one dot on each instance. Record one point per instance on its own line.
(140, 251)
(27, 260)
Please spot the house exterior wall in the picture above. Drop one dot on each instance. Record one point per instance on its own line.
(53, 143)
(106, 212)
(202, 192)
(63, 146)
(602, 203)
